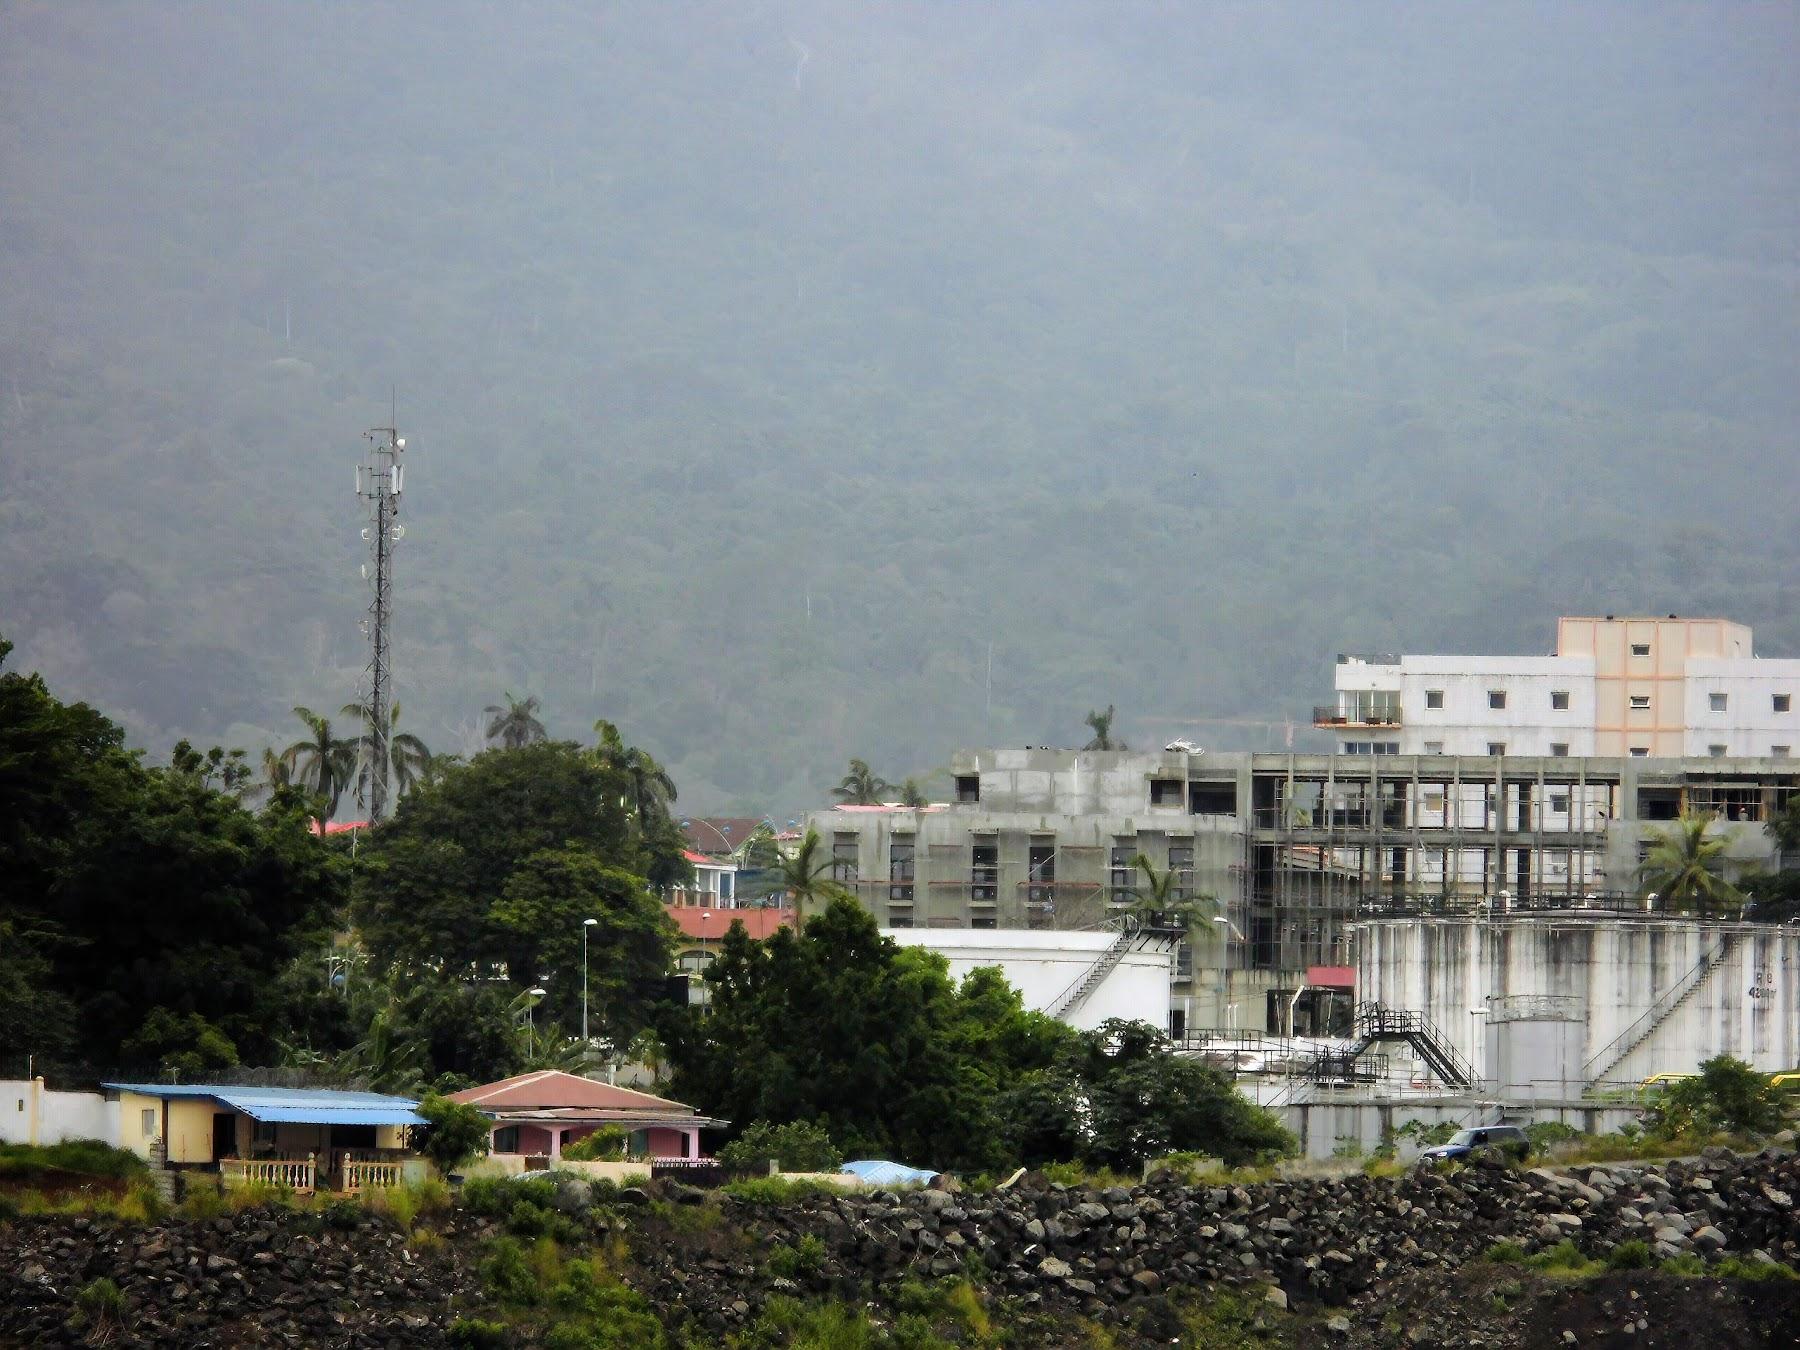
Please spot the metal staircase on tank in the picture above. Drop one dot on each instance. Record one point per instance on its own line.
(1614, 1053)
(1151, 926)
(1377, 1023)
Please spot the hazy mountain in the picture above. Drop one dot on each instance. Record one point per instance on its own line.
(764, 364)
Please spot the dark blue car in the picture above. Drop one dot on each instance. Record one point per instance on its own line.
(1508, 1139)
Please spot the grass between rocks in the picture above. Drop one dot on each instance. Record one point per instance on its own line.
(1566, 1261)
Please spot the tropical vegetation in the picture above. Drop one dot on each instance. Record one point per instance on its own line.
(1685, 864)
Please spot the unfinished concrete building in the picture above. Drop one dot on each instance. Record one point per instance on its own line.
(1296, 849)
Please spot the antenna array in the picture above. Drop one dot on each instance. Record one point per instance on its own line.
(379, 480)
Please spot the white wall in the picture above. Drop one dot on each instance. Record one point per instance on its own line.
(1749, 725)
(31, 1114)
(1042, 965)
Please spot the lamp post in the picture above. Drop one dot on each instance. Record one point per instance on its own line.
(1224, 972)
(534, 994)
(585, 925)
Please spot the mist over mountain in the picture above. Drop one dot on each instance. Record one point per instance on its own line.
(767, 366)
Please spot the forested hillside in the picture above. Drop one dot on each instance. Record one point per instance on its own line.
(764, 363)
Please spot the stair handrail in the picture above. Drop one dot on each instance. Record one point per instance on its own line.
(1103, 965)
(1640, 1030)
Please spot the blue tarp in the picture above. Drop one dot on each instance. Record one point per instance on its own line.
(879, 1173)
(291, 1106)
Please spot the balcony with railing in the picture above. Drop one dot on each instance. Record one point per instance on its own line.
(1360, 708)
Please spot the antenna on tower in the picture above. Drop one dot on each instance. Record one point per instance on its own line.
(378, 484)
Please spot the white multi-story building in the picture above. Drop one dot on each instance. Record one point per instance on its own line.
(1649, 688)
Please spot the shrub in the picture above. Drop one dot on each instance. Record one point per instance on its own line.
(507, 1275)
(1727, 1094)
(1564, 1258)
(777, 1190)
(342, 1213)
(488, 1197)
(799, 1262)
(1504, 1253)
(453, 1132)
(1543, 1133)
(1632, 1255)
(606, 1144)
(99, 1304)
(797, 1147)
(1747, 1268)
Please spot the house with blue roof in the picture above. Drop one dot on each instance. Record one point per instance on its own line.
(305, 1138)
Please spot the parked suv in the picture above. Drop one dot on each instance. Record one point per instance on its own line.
(1506, 1139)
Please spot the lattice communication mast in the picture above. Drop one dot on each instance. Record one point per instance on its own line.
(378, 482)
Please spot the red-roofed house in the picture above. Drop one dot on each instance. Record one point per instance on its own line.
(541, 1113)
(715, 882)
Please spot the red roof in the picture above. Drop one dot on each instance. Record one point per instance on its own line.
(701, 860)
(337, 826)
(553, 1089)
(711, 922)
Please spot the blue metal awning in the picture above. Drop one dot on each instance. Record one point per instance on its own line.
(290, 1106)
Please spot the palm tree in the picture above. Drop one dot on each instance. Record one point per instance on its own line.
(407, 756)
(277, 772)
(1159, 894)
(516, 725)
(911, 796)
(860, 787)
(1100, 723)
(323, 764)
(1683, 866)
(809, 876)
(652, 790)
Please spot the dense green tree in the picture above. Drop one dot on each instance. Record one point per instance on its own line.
(489, 868)
(453, 1133)
(1784, 828)
(1117, 1098)
(1684, 865)
(515, 724)
(862, 786)
(1727, 1094)
(870, 1040)
(139, 890)
(324, 763)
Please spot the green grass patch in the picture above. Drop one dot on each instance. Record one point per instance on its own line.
(1746, 1268)
(800, 1262)
(82, 1157)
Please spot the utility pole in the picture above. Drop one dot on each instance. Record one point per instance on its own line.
(378, 483)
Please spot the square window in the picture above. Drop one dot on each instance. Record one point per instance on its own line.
(1496, 698)
(1778, 751)
(1434, 698)
(1166, 792)
(1640, 649)
(1559, 803)
(1716, 751)
(1559, 699)
(1434, 747)
(1496, 748)
(1639, 751)
(1783, 702)
(1559, 749)
(1715, 702)
(1640, 701)
(968, 787)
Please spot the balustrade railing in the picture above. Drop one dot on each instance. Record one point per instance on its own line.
(362, 1175)
(297, 1174)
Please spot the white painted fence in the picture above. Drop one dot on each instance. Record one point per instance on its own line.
(30, 1113)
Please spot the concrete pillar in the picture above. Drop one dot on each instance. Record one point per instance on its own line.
(556, 1143)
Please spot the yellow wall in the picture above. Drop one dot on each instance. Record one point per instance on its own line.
(131, 1117)
(190, 1129)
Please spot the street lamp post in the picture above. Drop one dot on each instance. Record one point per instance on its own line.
(534, 994)
(585, 925)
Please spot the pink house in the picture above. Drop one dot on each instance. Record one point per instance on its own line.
(542, 1113)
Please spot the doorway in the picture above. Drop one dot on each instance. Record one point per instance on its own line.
(224, 1141)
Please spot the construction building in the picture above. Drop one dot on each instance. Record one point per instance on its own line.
(1614, 687)
(1296, 850)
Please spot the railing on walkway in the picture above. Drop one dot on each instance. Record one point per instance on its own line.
(362, 1175)
(694, 1171)
(297, 1174)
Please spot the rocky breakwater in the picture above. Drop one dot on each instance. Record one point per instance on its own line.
(267, 1277)
(1323, 1241)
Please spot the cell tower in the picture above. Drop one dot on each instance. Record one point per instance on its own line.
(378, 482)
